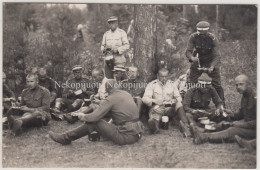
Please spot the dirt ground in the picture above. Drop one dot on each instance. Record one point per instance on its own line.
(34, 149)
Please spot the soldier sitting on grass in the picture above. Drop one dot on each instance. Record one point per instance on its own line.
(164, 99)
(35, 106)
(244, 127)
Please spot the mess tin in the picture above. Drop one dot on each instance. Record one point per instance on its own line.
(78, 92)
(94, 136)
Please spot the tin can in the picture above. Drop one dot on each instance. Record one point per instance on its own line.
(165, 123)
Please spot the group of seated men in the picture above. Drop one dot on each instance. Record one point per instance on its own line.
(112, 107)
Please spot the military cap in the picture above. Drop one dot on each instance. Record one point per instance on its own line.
(204, 79)
(119, 68)
(203, 25)
(113, 18)
(77, 67)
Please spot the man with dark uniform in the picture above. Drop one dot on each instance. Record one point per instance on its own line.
(35, 105)
(126, 127)
(134, 86)
(197, 99)
(8, 95)
(48, 83)
(115, 41)
(74, 93)
(244, 127)
(202, 51)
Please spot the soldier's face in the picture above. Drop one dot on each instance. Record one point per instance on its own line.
(241, 85)
(77, 74)
(132, 74)
(202, 31)
(97, 76)
(113, 25)
(163, 77)
(31, 82)
(205, 89)
(118, 75)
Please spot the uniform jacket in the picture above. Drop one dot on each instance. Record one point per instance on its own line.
(116, 39)
(38, 98)
(120, 106)
(155, 90)
(194, 99)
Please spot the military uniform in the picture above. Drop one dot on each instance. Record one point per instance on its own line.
(39, 100)
(136, 89)
(206, 46)
(181, 85)
(245, 126)
(127, 128)
(115, 40)
(73, 100)
(195, 99)
(49, 84)
(165, 93)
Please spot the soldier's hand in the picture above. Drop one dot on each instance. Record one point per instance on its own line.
(210, 69)
(194, 59)
(195, 111)
(217, 112)
(26, 109)
(114, 50)
(157, 102)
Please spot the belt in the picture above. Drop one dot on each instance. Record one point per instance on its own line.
(133, 121)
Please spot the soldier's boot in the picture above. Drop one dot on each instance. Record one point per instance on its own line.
(15, 125)
(75, 105)
(185, 129)
(70, 119)
(153, 125)
(67, 137)
(249, 144)
(57, 106)
(194, 123)
(215, 137)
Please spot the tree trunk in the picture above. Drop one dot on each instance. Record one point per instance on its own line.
(144, 40)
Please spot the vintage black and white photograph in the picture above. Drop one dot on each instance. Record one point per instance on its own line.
(99, 85)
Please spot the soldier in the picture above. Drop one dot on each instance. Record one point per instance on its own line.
(35, 105)
(74, 92)
(48, 83)
(134, 86)
(98, 81)
(197, 99)
(115, 40)
(245, 126)
(8, 95)
(181, 83)
(203, 52)
(163, 98)
(126, 129)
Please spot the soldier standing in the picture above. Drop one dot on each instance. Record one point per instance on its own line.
(202, 51)
(115, 40)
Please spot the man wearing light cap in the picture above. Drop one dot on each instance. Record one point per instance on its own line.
(74, 92)
(115, 40)
(202, 51)
(197, 99)
(126, 127)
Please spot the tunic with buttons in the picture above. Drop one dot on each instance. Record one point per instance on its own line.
(116, 40)
(38, 98)
(194, 99)
(165, 93)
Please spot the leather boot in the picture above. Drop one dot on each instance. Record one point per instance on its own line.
(153, 125)
(182, 115)
(15, 125)
(32, 120)
(71, 135)
(249, 144)
(185, 129)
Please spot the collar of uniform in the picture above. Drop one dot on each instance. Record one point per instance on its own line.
(37, 86)
(113, 31)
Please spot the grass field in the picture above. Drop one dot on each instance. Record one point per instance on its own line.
(34, 149)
